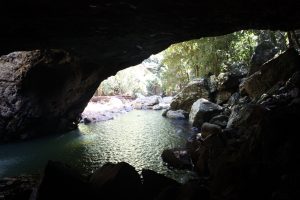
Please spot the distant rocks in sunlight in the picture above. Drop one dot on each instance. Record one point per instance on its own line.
(103, 108)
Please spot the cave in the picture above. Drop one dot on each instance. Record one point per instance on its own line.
(55, 53)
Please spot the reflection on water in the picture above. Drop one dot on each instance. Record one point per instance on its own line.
(138, 138)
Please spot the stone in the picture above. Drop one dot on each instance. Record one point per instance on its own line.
(43, 91)
(242, 116)
(86, 120)
(220, 120)
(234, 99)
(157, 107)
(164, 112)
(278, 69)
(154, 183)
(191, 93)
(115, 181)
(167, 100)
(19, 187)
(222, 97)
(61, 182)
(262, 53)
(178, 158)
(202, 111)
(208, 129)
(177, 114)
(229, 81)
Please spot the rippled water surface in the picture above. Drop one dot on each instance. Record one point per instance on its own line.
(137, 137)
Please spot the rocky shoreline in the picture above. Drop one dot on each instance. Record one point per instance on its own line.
(247, 143)
(102, 108)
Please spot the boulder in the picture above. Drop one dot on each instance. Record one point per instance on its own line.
(177, 114)
(18, 187)
(86, 120)
(220, 120)
(154, 183)
(167, 100)
(115, 181)
(262, 53)
(234, 99)
(278, 69)
(178, 158)
(193, 91)
(61, 182)
(43, 91)
(164, 112)
(243, 116)
(222, 97)
(208, 129)
(229, 81)
(157, 107)
(212, 84)
(202, 111)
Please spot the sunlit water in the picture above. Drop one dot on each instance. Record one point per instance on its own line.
(138, 137)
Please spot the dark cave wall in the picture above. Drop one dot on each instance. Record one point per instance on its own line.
(43, 91)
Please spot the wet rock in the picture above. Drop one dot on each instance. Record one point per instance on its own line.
(115, 181)
(262, 53)
(208, 129)
(177, 114)
(278, 69)
(202, 111)
(220, 120)
(61, 182)
(177, 158)
(154, 183)
(193, 91)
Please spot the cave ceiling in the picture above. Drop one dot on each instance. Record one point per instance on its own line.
(118, 34)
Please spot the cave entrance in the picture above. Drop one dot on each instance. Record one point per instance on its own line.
(151, 84)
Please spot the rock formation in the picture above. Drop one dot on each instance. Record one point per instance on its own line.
(43, 92)
(250, 149)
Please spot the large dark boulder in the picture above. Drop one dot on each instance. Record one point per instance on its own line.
(178, 158)
(42, 92)
(193, 91)
(61, 182)
(154, 183)
(202, 111)
(115, 181)
(278, 69)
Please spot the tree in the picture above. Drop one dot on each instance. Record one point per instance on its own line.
(197, 58)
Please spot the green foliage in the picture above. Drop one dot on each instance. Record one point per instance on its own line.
(197, 58)
(131, 81)
(171, 70)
